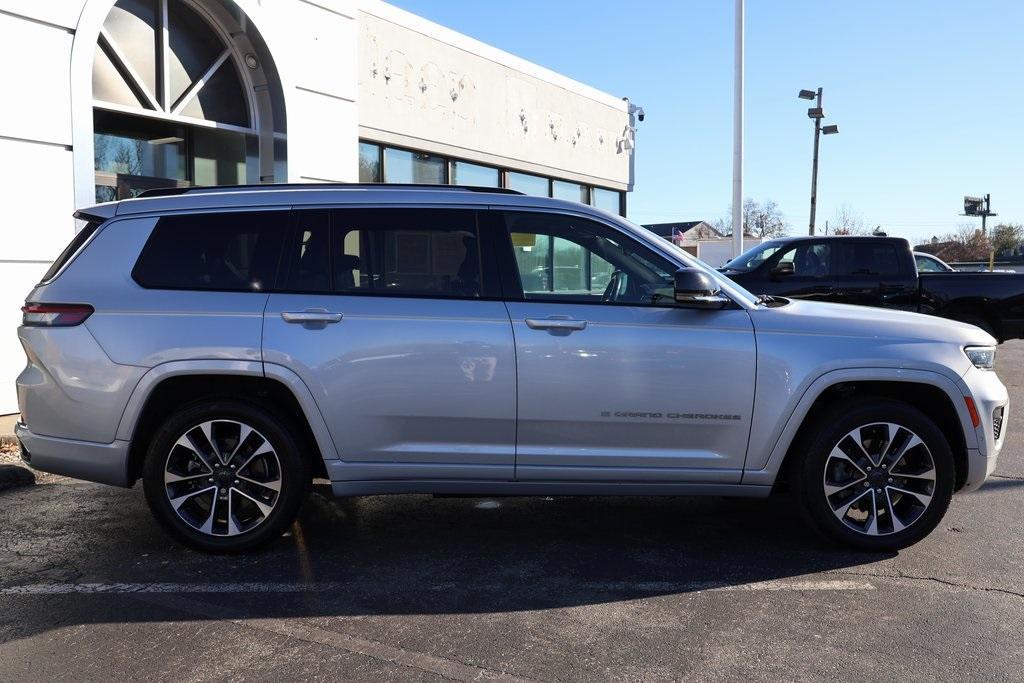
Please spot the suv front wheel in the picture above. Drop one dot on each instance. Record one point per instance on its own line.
(223, 475)
(878, 475)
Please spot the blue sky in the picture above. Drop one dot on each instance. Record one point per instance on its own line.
(928, 94)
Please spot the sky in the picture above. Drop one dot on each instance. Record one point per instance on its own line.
(928, 96)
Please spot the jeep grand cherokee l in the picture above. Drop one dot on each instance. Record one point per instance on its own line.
(227, 345)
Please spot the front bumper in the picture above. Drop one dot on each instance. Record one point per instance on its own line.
(105, 463)
(992, 402)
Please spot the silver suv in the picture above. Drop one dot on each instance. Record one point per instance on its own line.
(229, 345)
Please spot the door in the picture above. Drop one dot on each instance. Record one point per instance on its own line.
(800, 270)
(868, 272)
(392, 319)
(614, 382)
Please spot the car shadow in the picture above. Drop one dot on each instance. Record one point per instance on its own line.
(418, 555)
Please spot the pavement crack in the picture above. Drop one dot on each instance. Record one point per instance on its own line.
(1006, 476)
(934, 579)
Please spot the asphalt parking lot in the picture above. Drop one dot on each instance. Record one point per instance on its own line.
(414, 587)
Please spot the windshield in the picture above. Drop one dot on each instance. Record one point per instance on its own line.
(755, 256)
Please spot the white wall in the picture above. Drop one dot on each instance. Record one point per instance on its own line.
(428, 87)
(347, 67)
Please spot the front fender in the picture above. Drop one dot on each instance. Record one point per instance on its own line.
(762, 468)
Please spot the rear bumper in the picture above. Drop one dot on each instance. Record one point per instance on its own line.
(105, 463)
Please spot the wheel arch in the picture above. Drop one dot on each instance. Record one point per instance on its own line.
(936, 395)
(169, 385)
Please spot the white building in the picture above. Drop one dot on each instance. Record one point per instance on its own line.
(105, 99)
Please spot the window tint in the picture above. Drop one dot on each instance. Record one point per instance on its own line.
(418, 252)
(809, 259)
(73, 246)
(564, 258)
(867, 257)
(216, 251)
(406, 251)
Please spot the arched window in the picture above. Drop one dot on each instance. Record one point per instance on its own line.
(172, 97)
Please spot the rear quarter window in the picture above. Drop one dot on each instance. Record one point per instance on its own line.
(232, 252)
(74, 245)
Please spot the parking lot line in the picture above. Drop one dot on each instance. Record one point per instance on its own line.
(329, 587)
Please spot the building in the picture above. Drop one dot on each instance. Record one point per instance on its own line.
(106, 99)
(684, 233)
(701, 239)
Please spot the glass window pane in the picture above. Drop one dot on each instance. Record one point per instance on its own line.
(401, 166)
(132, 25)
(107, 83)
(138, 146)
(607, 200)
(280, 161)
(407, 252)
(308, 259)
(571, 263)
(534, 185)
(221, 99)
(532, 253)
(465, 173)
(600, 273)
(369, 163)
(565, 258)
(235, 252)
(220, 158)
(573, 192)
(194, 47)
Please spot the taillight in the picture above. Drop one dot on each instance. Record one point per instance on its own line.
(54, 315)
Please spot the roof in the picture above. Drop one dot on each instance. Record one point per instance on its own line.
(679, 227)
(284, 195)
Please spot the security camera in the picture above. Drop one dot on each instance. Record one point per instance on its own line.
(638, 111)
(640, 114)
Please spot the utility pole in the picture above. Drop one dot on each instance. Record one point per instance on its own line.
(814, 165)
(817, 113)
(737, 138)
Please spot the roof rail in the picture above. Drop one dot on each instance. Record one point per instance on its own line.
(200, 189)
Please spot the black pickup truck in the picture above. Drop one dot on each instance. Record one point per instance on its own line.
(880, 271)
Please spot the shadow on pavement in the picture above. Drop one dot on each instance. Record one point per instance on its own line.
(406, 555)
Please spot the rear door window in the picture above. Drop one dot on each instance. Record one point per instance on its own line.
(233, 252)
(396, 252)
(867, 258)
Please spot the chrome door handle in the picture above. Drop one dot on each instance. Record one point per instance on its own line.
(310, 316)
(555, 324)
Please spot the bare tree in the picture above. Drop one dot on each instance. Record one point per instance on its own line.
(763, 220)
(968, 243)
(846, 221)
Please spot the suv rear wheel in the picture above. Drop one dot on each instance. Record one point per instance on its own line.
(877, 475)
(223, 475)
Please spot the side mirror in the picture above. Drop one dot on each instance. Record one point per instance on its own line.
(696, 289)
(783, 268)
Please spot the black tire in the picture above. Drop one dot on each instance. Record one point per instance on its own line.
(810, 470)
(293, 475)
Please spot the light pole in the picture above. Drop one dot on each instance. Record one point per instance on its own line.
(816, 113)
(737, 136)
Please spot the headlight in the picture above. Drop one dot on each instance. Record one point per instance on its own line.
(983, 357)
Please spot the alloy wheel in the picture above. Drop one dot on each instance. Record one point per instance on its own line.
(879, 479)
(222, 477)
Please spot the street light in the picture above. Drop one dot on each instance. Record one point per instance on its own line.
(817, 114)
